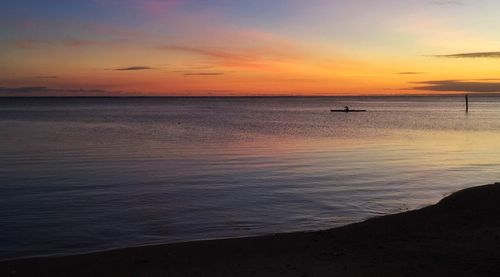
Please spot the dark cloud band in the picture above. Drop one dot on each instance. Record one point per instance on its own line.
(133, 68)
(39, 90)
(203, 74)
(409, 73)
(459, 86)
(494, 55)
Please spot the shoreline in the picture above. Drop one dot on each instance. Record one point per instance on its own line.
(459, 236)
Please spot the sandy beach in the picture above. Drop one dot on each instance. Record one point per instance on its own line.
(459, 236)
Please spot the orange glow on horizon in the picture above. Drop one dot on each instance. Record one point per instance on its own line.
(175, 49)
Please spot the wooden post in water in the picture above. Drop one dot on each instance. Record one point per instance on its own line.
(466, 103)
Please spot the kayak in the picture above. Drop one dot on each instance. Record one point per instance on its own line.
(349, 111)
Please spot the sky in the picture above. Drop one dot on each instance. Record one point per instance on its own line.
(248, 47)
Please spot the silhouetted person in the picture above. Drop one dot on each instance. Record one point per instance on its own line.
(346, 109)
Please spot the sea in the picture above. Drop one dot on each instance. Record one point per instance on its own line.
(79, 175)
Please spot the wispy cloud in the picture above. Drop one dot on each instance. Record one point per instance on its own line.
(47, 91)
(492, 55)
(211, 52)
(257, 58)
(133, 68)
(203, 74)
(410, 73)
(23, 90)
(458, 85)
(73, 43)
(45, 77)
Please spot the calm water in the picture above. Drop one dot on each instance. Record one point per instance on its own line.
(79, 175)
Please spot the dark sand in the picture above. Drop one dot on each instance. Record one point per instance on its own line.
(459, 236)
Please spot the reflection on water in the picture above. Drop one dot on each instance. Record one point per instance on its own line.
(88, 174)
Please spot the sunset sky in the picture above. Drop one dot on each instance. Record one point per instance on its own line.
(251, 47)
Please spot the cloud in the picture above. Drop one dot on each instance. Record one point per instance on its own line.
(73, 43)
(23, 90)
(46, 91)
(257, 59)
(133, 68)
(214, 53)
(492, 55)
(458, 85)
(203, 74)
(45, 77)
(410, 73)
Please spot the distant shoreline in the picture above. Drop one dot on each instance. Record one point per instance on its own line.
(459, 236)
(256, 96)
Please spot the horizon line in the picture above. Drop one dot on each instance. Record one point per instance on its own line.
(248, 96)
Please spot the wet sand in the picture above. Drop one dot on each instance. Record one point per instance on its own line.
(459, 236)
